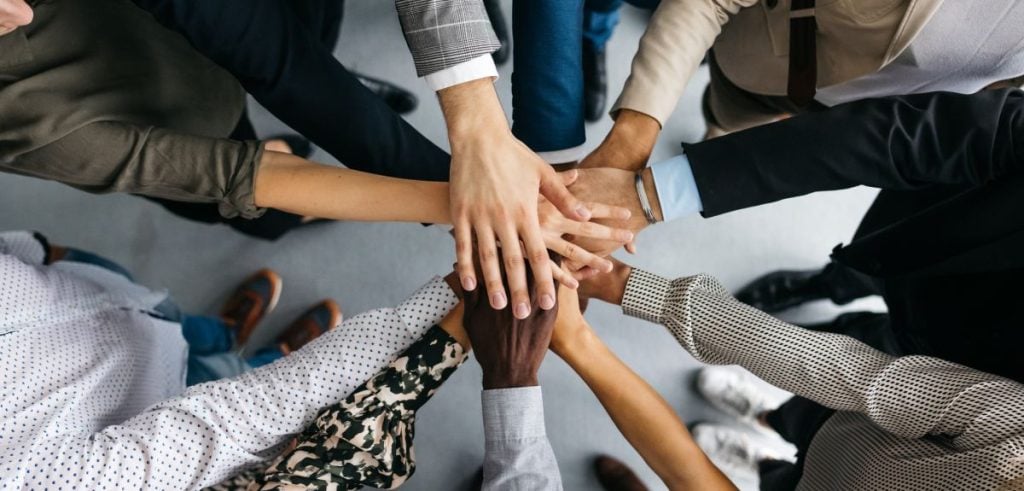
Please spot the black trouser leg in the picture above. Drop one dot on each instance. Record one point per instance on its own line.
(797, 421)
(843, 285)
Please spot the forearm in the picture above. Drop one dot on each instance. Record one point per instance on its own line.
(910, 396)
(644, 418)
(900, 143)
(678, 35)
(296, 185)
(471, 109)
(629, 143)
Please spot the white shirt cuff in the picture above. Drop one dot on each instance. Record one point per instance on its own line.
(480, 67)
(564, 156)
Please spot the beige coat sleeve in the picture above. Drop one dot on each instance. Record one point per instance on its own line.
(107, 157)
(679, 34)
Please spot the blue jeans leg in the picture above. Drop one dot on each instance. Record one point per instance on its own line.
(206, 335)
(80, 256)
(601, 16)
(265, 356)
(599, 20)
(210, 358)
(547, 80)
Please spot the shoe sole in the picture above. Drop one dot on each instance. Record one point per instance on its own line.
(277, 285)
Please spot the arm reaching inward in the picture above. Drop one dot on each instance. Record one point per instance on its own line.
(910, 396)
(641, 414)
(222, 427)
(243, 178)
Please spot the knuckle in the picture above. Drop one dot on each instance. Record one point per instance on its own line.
(539, 256)
(514, 261)
(570, 251)
(488, 254)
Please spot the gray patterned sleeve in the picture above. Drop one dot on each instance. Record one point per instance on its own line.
(444, 33)
(910, 396)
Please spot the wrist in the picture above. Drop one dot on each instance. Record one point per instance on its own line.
(616, 289)
(509, 379)
(578, 347)
(472, 109)
(635, 134)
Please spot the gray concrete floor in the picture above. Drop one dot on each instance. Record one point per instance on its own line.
(368, 265)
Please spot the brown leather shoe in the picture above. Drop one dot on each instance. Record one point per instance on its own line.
(319, 319)
(615, 476)
(256, 297)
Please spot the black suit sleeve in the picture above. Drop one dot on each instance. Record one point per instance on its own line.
(897, 143)
(283, 64)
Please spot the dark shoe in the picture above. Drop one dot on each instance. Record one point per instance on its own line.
(398, 99)
(781, 290)
(615, 476)
(500, 30)
(319, 319)
(595, 82)
(252, 301)
(300, 146)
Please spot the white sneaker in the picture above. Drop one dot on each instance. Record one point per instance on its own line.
(733, 451)
(734, 391)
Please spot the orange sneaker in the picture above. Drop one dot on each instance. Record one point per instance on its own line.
(256, 297)
(319, 319)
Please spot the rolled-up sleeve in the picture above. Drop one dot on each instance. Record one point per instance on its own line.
(109, 157)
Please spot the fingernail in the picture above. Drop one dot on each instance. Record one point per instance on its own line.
(498, 300)
(574, 284)
(522, 310)
(608, 267)
(547, 302)
(583, 212)
(468, 283)
(626, 236)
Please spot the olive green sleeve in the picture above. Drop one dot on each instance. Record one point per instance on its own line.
(108, 157)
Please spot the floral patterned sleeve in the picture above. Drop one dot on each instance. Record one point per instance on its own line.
(367, 439)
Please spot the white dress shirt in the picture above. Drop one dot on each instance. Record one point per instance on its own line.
(92, 392)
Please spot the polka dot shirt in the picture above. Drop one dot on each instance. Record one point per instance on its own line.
(92, 387)
(907, 423)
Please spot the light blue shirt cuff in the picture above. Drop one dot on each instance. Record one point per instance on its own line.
(677, 189)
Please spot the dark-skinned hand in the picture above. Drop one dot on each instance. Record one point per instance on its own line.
(509, 350)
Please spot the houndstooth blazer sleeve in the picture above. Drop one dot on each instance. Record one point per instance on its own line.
(445, 33)
(910, 396)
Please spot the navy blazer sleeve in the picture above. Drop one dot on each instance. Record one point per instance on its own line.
(897, 143)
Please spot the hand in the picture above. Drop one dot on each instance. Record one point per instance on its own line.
(495, 184)
(556, 227)
(609, 287)
(570, 327)
(628, 145)
(615, 187)
(510, 350)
